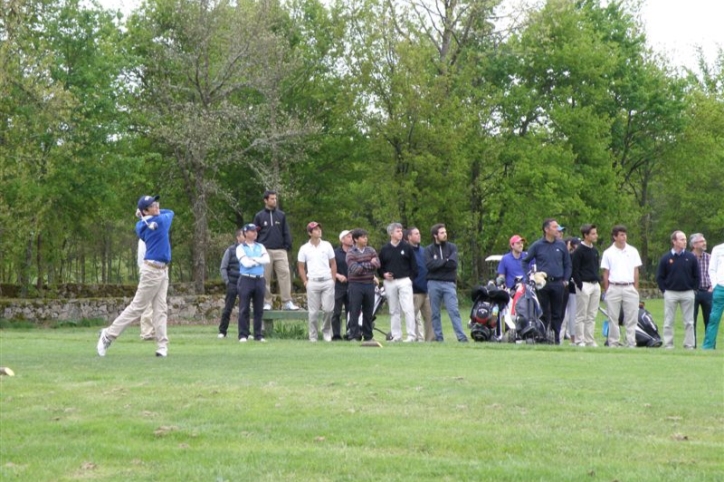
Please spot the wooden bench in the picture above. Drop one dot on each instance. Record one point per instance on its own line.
(270, 316)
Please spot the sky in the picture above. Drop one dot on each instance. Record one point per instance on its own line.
(674, 28)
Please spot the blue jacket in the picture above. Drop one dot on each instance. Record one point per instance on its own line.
(158, 246)
(551, 258)
(678, 272)
(419, 283)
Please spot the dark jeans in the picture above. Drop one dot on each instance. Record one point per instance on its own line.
(551, 302)
(361, 300)
(702, 298)
(251, 289)
(232, 292)
(340, 298)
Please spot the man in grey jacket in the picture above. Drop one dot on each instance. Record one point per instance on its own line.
(230, 274)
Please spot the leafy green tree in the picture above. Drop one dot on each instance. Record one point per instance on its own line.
(211, 75)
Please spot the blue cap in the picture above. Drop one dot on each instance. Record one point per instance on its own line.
(561, 228)
(249, 227)
(145, 201)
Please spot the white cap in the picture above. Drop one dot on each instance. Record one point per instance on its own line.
(344, 233)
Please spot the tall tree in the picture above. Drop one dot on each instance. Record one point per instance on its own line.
(211, 75)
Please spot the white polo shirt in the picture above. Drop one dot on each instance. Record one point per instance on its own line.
(621, 263)
(716, 265)
(317, 259)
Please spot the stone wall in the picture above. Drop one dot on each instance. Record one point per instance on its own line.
(183, 310)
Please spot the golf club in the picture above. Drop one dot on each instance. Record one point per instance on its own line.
(152, 226)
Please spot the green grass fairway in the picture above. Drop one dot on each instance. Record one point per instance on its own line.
(216, 410)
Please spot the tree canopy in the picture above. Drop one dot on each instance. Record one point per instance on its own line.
(358, 112)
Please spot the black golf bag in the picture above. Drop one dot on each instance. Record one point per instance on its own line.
(647, 332)
(486, 316)
(527, 312)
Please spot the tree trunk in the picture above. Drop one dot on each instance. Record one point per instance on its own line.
(201, 235)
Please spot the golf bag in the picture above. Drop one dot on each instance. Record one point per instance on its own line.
(380, 298)
(526, 312)
(486, 317)
(647, 332)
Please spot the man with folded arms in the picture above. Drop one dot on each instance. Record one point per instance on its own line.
(252, 258)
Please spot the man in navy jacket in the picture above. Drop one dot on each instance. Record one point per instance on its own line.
(678, 280)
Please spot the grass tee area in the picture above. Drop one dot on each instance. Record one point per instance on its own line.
(217, 410)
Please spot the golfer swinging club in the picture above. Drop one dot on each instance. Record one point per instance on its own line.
(153, 229)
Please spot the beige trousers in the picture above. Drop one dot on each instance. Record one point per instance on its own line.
(151, 292)
(279, 264)
(423, 313)
(587, 302)
(320, 297)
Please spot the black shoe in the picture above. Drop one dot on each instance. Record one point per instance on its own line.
(336, 338)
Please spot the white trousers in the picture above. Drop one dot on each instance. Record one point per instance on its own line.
(399, 298)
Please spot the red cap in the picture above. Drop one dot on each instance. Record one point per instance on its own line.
(313, 225)
(516, 238)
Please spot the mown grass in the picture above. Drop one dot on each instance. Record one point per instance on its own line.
(217, 410)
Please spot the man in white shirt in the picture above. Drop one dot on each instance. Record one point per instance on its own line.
(620, 264)
(716, 275)
(318, 278)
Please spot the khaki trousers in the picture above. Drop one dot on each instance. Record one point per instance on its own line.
(320, 297)
(147, 323)
(279, 264)
(152, 289)
(626, 297)
(423, 314)
(685, 299)
(587, 302)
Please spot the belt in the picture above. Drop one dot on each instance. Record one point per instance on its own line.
(620, 284)
(705, 289)
(320, 279)
(253, 276)
(155, 264)
(586, 281)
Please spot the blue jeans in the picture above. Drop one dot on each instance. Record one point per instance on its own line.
(439, 292)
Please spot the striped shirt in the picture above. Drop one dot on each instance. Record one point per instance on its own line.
(705, 282)
(359, 266)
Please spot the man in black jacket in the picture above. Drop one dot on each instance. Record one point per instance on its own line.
(230, 274)
(441, 260)
(275, 236)
(678, 279)
(398, 267)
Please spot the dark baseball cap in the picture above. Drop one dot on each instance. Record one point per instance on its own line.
(249, 227)
(145, 201)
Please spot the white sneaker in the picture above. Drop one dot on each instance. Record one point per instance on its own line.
(220, 335)
(267, 306)
(242, 339)
(261, 340)
(162, 352)
(103, 343)
(290, 306)
(410, 339)
(327, 338)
